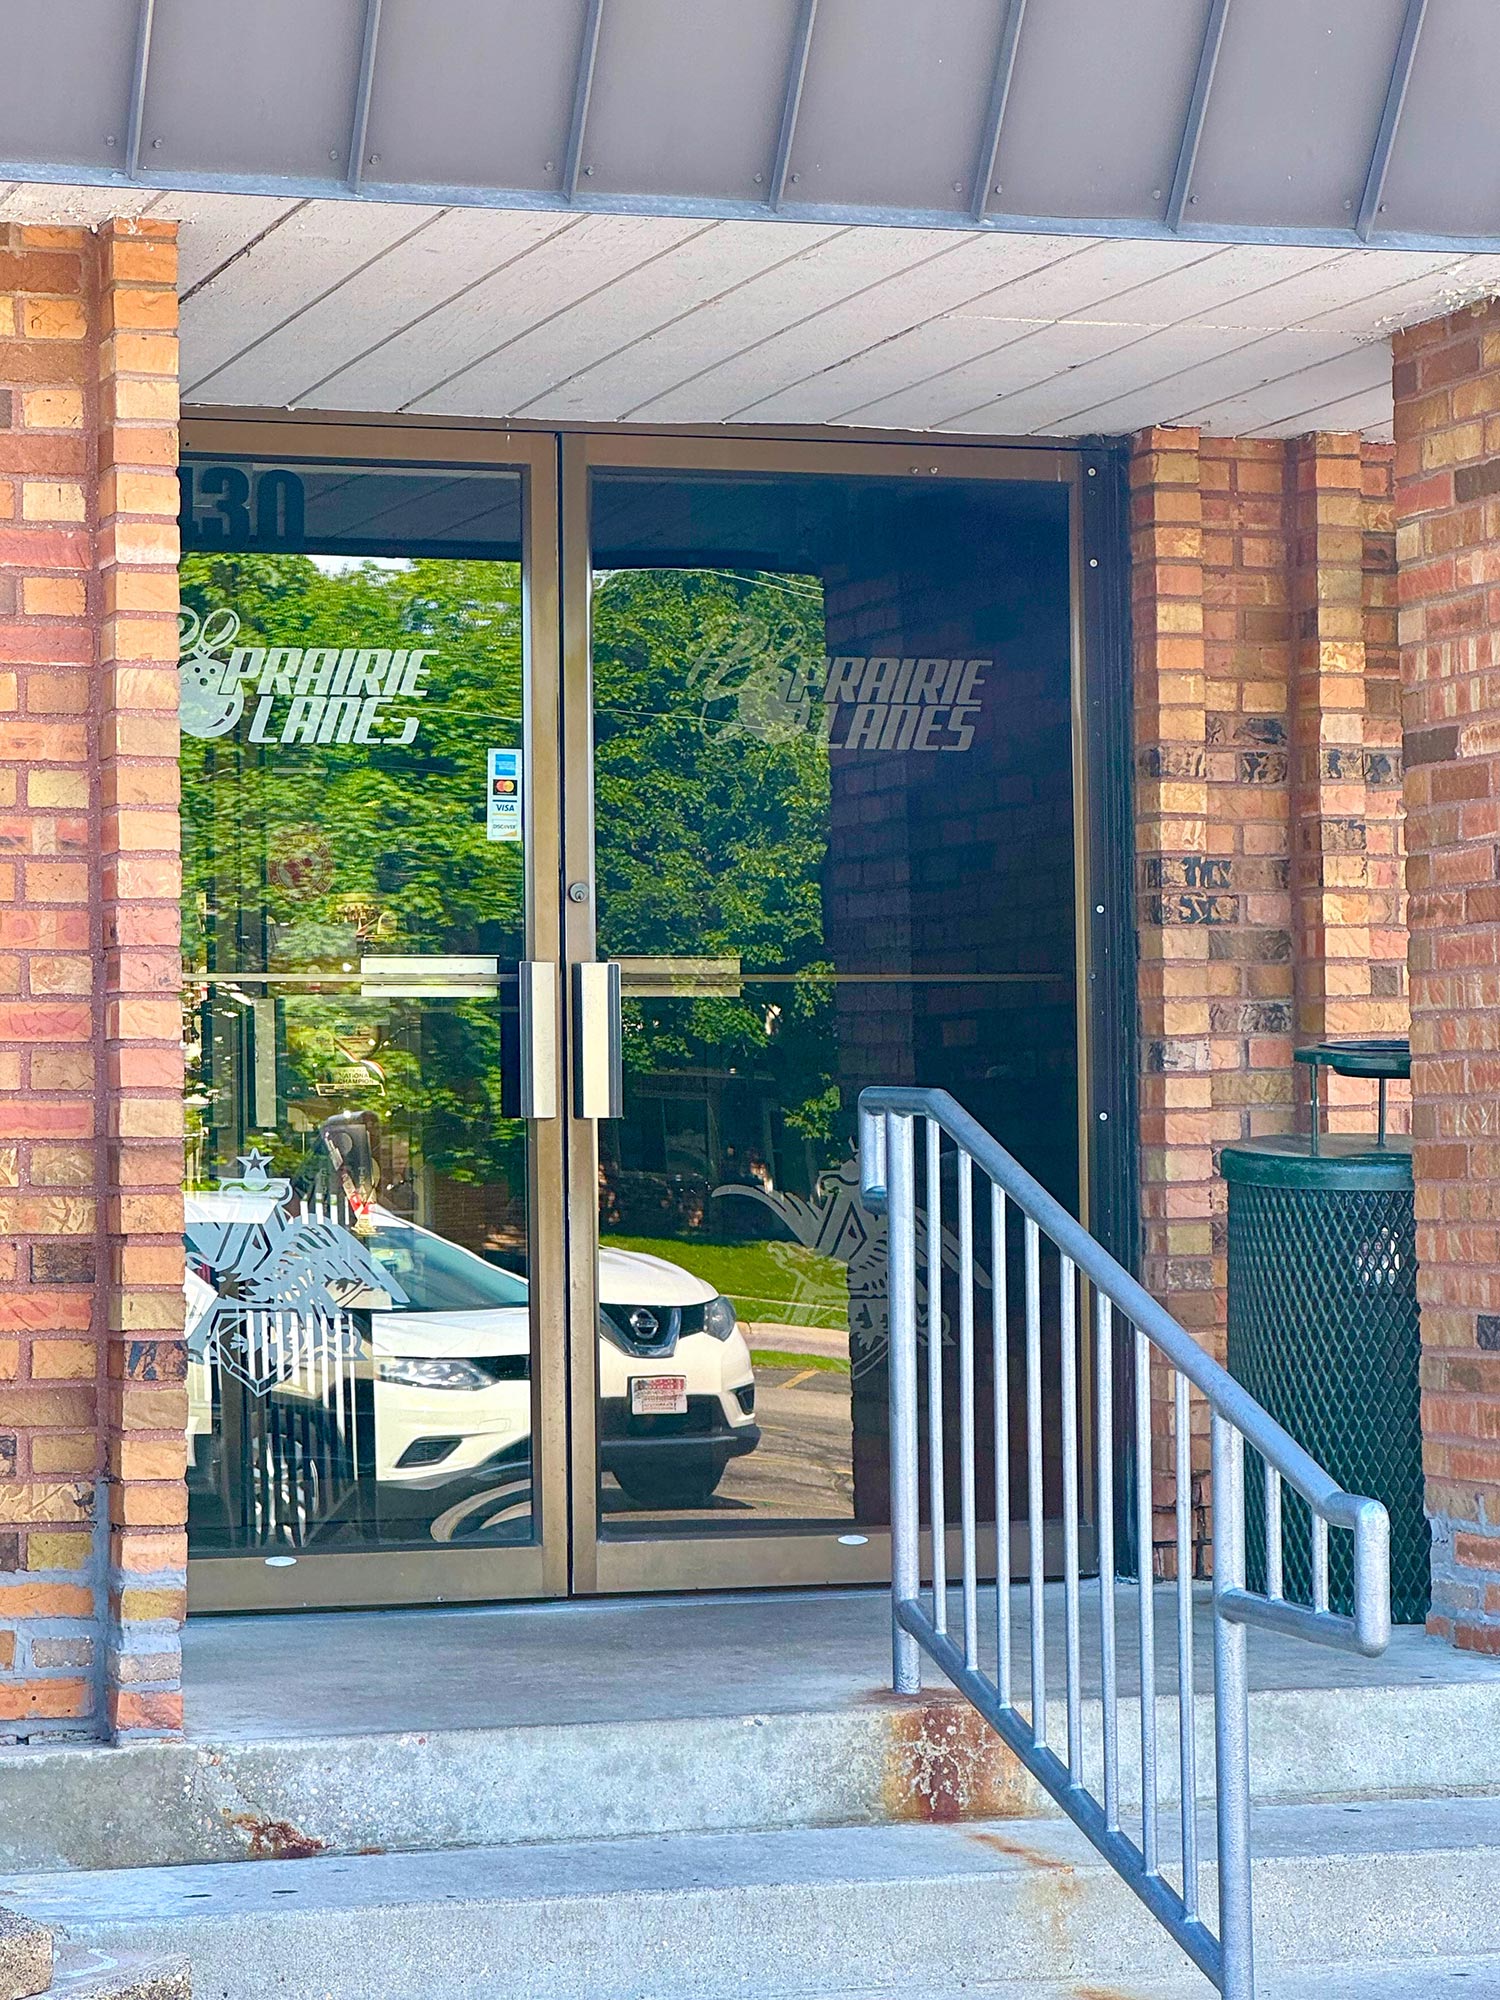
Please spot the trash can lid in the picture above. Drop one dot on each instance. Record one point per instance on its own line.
(1388, 1056)
(1349, 1161)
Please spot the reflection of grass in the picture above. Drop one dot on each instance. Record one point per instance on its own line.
(783, 1282)
(773, 1357)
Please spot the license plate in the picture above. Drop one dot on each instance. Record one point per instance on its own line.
(658, 1395)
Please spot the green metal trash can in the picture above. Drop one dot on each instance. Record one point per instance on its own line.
(1323, 1330)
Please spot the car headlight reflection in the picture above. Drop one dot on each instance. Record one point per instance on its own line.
(719, 1318)
(432, 1372)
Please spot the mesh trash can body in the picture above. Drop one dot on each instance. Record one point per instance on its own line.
(1323, 1331)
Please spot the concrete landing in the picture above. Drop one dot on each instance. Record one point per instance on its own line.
(306, 1674)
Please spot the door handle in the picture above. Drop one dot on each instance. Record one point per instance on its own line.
(598, 1071)
(538, 1012)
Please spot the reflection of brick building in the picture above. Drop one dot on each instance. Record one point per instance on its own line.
(949, 882)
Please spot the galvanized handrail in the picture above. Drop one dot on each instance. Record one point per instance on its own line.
(889, 1184)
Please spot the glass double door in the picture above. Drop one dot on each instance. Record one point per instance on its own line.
(572, 827)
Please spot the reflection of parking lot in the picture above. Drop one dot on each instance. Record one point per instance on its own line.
(803, 1467)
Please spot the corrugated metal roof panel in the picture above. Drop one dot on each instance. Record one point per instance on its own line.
(472, 93)
(1318, 121)
(1294, 150)
(223, 82)
(1096, 109)
(54, 109)
(715, 79)
(1445, 160)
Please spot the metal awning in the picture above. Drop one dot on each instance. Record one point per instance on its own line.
(1321, 122)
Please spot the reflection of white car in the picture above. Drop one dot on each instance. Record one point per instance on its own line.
(449, 1355)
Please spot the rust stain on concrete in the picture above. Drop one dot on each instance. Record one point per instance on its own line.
(1050, 1890)
(275, 1839)
(943, 1762)
(1019, 1851)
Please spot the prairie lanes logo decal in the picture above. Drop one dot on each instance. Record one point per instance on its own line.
(894, 704)
(295, 694)
(207, 707)
(851, 701)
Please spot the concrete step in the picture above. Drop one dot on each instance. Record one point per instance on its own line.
(876, 1761)
(1449, 1978)
(90, 1972)
(834, 1912)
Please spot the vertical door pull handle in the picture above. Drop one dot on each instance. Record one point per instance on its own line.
(598, 1076)
(538, 1005)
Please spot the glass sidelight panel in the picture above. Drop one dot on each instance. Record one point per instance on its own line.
(834, 846)
(358, 1210)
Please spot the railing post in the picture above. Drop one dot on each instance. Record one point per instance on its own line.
(1232, 1718)
(906, 1519)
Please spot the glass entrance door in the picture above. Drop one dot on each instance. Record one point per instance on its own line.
(374, 1198)
(821, 833)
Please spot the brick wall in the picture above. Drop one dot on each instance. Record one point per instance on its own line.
(1267, 815)
(91, 1405)
(1268, 807)
(1447, 383)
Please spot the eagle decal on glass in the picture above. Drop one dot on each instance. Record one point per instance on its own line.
(283, 1283)
(837, 1224)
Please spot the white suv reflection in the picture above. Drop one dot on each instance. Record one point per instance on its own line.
(449, 1361)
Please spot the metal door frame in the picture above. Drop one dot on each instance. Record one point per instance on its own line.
(555, 463)
(722, 1559)
(432, 1573)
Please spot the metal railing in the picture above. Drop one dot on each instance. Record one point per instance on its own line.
(1163, 1350)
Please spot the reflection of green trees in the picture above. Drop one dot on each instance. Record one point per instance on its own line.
(304, 857)
(299, 833)
(711, 804)
(711, 838)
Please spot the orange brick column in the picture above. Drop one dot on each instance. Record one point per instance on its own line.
(1344, 771)
(1178, 888)
(1249, 623)
(140, 854)
(1179, 900)
(49, 1373)
(1385, 817)
(69, 303)
(1447, 384)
